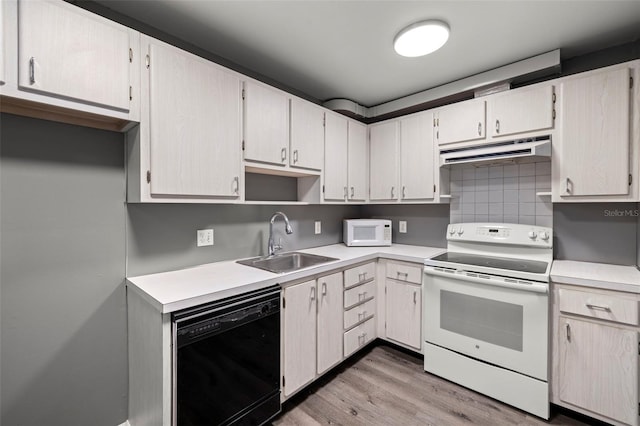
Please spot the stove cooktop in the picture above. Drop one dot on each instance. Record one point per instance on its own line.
(507, 264)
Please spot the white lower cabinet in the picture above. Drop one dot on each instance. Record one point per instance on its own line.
(403, 304)
(596, 354)
(404, 313)
(359, 336)
(312, 330)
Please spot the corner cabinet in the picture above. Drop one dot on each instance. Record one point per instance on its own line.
(187, 147)
(597, 155)
(346, 160)
(383, 161)
(417, 158)
(596, 353)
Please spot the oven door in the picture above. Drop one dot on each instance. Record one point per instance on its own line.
(499, 324)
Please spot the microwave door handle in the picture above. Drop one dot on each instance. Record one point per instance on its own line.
(535, 288)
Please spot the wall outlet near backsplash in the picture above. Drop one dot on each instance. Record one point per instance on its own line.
(509, 193)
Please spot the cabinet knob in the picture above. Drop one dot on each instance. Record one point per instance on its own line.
(283, 154)
(324, 289)
(352, 192)
(479, 129)
(295, 156)
(497, 126)
(568, 330)
(393, 190)
(567, 186)
(404, 192)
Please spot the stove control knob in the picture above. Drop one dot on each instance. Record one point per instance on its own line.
(460, 231)
(452, 230)
(544, 235)
(533, 235)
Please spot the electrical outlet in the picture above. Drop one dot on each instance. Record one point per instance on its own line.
(205, 237)
(318, 229)
(402, 226)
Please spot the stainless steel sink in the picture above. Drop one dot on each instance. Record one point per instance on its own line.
(286, 262)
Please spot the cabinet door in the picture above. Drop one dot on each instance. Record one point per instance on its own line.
(299, 335)
(266, 124)
(598, 369)
(68, 52)
(416, 157)
(330, 321)
(383, 161)
(595, 135)
(307, 135)
(194, 123)
(520, 110)
(404, 313)
(358, 159)
(335, 166)
(461, 122)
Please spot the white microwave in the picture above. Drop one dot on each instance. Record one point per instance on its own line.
(366, 232)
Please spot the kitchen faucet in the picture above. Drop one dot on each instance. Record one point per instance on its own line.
(272, 247)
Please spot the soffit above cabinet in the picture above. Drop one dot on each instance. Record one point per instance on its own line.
(345, 49)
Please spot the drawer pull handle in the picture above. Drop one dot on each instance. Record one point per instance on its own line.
(414, 298)
(403, 274)
(598, 307)
(32, 70)
(313, 293)
(352, 192)
(283, 154)
(362, 296)
(568, 329)
(324, 289)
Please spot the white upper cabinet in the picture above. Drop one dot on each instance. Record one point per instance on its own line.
(460, 122)
(594, 153)
(358, 162)
(335, 151)
(417, 157)
(70, 53)
(520, 111)
(307, 135)
(194, 125)
(266, 124)
(383, 161)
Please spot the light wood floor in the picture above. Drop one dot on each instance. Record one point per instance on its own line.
(386, 386)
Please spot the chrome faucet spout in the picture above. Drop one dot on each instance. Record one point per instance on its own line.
(272, 247)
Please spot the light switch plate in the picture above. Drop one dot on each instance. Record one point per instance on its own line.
(318, 228)
(205, 237)
(402, 226)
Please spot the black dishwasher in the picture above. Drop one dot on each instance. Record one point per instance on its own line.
(227, 361)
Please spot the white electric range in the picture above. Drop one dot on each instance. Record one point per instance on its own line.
(486, 312)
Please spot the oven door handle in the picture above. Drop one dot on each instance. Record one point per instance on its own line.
(535, 288)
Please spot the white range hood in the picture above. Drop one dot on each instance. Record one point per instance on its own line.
(507, 151)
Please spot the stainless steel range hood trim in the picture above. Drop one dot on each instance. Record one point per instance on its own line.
(540, 148)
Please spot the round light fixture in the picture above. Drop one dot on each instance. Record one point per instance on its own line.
(421, 38)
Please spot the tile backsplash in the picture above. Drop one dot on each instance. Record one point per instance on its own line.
(502, 193)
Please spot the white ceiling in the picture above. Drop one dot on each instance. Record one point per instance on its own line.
(343, 49)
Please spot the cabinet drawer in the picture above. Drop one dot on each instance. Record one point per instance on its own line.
(359, 336)
(359, 294)
(359, 274)
(602, 306)
(404, 272)
(359, 313)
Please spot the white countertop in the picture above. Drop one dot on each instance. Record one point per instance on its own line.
(598, 275)
(185, 288)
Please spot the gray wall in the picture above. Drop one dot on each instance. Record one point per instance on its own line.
(162, 237)
(426, 224)
(601, 232)
(62, 310)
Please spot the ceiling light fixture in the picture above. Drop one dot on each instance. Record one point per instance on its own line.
(421, 38)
